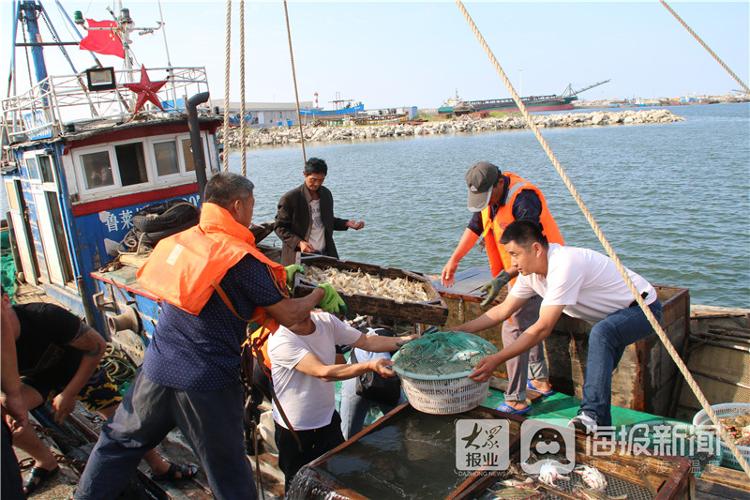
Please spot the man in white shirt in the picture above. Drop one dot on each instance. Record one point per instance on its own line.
(303, 367)
(583, 284)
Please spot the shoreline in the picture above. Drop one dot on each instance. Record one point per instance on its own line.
(280, 136)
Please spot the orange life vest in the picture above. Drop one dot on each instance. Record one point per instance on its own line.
(493, 228)
(186, 268)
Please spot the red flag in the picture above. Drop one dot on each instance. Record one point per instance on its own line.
(103, 40)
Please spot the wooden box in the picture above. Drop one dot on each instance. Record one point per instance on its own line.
(433, 311)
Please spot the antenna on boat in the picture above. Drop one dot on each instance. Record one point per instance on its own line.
(170, 72)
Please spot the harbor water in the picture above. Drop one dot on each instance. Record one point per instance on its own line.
(673, 199)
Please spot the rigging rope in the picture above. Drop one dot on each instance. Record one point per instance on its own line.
(605, 243)
(242, 88)
(294, 78)
(227, 75)
(703, 44)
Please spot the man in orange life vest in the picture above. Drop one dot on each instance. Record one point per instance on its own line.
(497, 199)
(190, 378)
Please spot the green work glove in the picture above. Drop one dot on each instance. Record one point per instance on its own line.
(332, 301)
(493, 287)
(291, 270)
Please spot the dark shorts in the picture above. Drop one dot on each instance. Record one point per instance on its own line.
(100, 392)
(315, 442)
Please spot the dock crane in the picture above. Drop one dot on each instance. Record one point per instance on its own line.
(569, 92)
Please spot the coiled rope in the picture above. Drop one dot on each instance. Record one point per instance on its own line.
(227, 77)
(605, 243)
(705, 46)
(117, 365)
(294, 78)
(242, 88)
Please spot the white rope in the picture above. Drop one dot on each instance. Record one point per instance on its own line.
(294, 79)
(705, 46)
(242, 88)
(227, 77)
(605, 243)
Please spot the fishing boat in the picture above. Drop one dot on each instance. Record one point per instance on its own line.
(83, 153)
(342, 108)
(80, 161)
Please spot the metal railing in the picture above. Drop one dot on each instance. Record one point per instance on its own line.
(45, 109)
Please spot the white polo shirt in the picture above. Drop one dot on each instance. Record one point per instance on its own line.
(308, 401)
(586, 282)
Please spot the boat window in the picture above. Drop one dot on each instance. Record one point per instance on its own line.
(166, 158)
(32, 168)
(187, 154)
(131, 163)
(97, 169)
(45, 166)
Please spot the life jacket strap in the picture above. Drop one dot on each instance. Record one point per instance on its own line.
(257, 352)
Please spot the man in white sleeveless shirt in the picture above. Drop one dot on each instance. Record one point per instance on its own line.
(583, 284)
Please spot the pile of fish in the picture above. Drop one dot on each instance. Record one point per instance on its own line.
(357, 282)
(738, 427)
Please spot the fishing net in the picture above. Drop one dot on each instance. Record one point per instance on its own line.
(442, 356)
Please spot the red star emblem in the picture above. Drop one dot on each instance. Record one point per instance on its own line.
(146, 90)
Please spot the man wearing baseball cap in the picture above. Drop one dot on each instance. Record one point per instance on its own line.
(497, 199)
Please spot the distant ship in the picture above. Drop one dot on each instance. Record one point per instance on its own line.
(457, 106)
(342, 108)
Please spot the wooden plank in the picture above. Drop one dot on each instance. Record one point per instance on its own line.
(722, 481)
(704, 311)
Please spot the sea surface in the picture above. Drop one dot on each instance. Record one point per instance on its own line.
(673, 199)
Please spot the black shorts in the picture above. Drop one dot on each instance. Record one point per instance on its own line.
(315, 442)
(100, 392)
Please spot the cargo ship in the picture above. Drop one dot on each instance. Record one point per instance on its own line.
(457, 107)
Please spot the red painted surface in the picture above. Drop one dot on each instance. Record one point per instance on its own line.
(133, 199)
(132, 289)
(138, 133)
(514, 109)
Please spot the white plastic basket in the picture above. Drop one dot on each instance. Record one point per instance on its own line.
(726, 410)
(444, 397)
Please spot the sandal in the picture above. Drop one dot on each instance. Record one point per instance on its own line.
(531, 386)
(37, 478)
(177, 472)
(506, 408)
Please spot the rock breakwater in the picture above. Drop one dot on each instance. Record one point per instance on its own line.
(464, 125)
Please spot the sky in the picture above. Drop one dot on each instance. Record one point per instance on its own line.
(419, 54)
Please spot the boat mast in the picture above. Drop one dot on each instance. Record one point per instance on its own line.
(170, 72)
(28, 11)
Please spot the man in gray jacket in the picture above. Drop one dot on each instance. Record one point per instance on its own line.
(305, 220)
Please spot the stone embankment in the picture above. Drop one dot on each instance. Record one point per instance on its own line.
(463, 125)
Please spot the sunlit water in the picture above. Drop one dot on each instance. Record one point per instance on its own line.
(673, 199)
